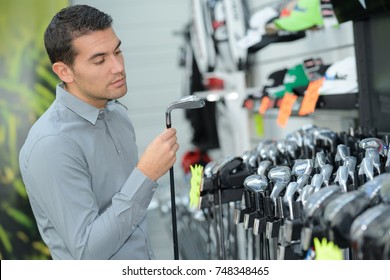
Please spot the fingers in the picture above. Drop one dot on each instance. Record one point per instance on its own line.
(160, 155)
(168, 133)
(169, 137)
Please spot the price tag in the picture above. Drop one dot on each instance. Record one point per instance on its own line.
(249, 104)
(286, 108)
(311, 97)
(265, 105)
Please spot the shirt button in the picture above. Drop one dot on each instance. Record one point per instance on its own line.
(101, 114)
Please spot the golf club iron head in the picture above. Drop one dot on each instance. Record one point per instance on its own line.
(186, 102)
(373, 143)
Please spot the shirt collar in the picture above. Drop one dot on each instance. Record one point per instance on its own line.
(81, 108)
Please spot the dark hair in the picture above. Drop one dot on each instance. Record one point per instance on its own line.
(69, 24)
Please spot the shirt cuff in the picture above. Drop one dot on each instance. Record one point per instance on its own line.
(139, 187)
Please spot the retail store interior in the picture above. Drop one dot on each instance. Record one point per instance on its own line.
(293, 141)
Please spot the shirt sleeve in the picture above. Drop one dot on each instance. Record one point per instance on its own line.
(58, 179)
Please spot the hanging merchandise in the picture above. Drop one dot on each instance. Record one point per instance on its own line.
(201, 36)
(236, 23)
(341, 77)
(203, 121)
(305, 15)
(256, 29)
(229, 22)
(257, 37)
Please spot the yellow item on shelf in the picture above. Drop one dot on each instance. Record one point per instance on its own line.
(196, 183)
(327, 250)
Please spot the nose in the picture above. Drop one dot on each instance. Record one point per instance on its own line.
(117, 64)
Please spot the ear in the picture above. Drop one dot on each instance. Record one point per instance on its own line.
(63, 71)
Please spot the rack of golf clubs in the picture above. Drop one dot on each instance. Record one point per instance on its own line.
(284, 193)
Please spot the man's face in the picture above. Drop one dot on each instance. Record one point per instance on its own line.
(98, 69)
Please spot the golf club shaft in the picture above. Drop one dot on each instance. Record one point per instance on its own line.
(173, 202)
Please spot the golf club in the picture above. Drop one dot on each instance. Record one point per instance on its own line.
(186, 102)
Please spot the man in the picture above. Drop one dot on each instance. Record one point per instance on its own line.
(88, 191)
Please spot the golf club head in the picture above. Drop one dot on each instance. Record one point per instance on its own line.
(281, 176)
(291, 148)
(350, 163)
(208, 168)
(295, 137)
(306, 192)
(263, 143)
(385, 189)
(186, 102)
(340, 213)
(272, 153)
(317, 181)
(317, 201)
(263, 151)
(363, 222)
(281, 145)
(245, 157)
(302, 166)
(251, 159)
(327, 136)
(376, 239)
(376, 187)
(256, 183)
(320, 159)
(387, 164)
(342, 152)
(374, 155)
(291, 189)
(263, 167)
(367, 168)
(342, 177)
(302, 181)
(221, 164)
(326, 172)
(288, 198)
(373, 143)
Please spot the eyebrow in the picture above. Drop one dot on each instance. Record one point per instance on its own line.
(103, 53)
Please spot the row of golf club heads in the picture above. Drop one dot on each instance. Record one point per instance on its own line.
(335, 219)
(348, 171)
(342, 155)
(375, 148)
(302, 170)
(359, 219)
(367, 194)
(306, 142)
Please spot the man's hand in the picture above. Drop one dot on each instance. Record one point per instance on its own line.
(160, 155)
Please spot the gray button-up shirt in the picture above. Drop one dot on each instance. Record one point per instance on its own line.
(79, 167)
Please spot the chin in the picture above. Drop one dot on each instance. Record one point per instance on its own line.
(120, 94)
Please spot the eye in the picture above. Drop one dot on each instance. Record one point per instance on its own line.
(99, 62)
(117, 52)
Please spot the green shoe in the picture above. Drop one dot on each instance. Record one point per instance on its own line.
(305, 15)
